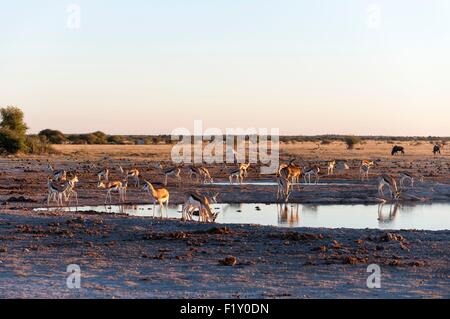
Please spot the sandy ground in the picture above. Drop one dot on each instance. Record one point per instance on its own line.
(126, 257)
(123, 257)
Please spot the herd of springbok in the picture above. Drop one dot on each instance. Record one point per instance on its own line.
(61, 185)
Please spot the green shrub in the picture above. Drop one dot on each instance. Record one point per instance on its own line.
(38, 145)
(11, 142)
(12, 119)
(351, 141)
(99, 138)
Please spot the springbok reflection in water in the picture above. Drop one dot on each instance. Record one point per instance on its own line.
(288, 214)
(392, 213)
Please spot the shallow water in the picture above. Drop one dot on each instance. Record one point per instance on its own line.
(424, 217)
(271, 183)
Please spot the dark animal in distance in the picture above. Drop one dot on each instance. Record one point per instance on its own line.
(398, 149)
(436, 149)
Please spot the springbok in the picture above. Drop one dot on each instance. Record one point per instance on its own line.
(70, 189)
(55, 192)
(103, 174)
(238, 174)
(330, 167)
(404, 176)
(367, 162)
(159, 195)
(201, 203)
(284, 188)
(204, 173)
(172, 171)
(280, 167)
(59, 175)
(133, 174)
(311, 171)
(116, 186)
(364, 169)
(244, 167)
(292, 173)
(341, 166)
(389, 181)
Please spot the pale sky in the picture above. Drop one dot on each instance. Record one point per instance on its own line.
(303, 66)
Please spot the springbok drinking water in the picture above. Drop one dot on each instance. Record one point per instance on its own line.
(388, 181)
(200, 203)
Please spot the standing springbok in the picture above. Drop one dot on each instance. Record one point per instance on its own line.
(70, 189)
(389, 181)
(244, 167)
(59, 175)
(103, 174)
(314, 170)
(116, 186)
(193, 171)
(238, 174)
(159, 195)
(404, 176)
(330, 167)
(55, 192)
(341, 166)
(292, 173)
(364, 169)
(133, 174)
(172, 171)
(284, 188)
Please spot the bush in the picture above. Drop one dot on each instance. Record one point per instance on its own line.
(12, 119)
(351, 141)
(38, 145)
(92, 138)
(53, 136)
(117, 139)
(99, 138)
(11, 142)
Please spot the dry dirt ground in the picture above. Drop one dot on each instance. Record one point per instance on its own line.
(123, 256)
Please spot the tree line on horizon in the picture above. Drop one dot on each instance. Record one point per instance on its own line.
(14, 139)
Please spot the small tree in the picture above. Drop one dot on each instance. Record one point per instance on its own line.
(38, 145)
(99, 138)
(351, 141)
(12, 119)
(11, 142)
(12, 130)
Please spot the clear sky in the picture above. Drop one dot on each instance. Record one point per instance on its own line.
(304, 66)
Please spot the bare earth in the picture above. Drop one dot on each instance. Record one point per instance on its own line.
(135, 257)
